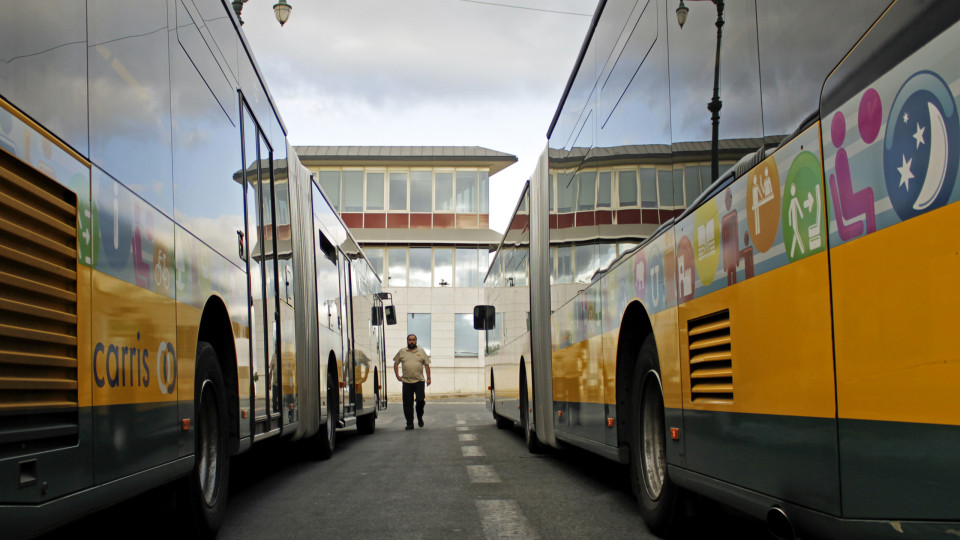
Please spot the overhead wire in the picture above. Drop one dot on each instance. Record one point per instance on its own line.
(529, 8)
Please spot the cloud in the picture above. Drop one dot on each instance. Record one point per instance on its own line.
(422, 72)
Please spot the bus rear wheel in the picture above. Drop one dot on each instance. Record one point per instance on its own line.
(659, 498)
(502, 422)
(206, 487)
(529, 435)
(323, 442)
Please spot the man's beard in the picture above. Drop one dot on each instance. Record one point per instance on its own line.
(411, 347)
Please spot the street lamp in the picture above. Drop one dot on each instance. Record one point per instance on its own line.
(715, 103)
(281, 10)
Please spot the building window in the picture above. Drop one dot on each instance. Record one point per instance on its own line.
(374, 191)
(588, 190)
(468, 269)
(586, 260)
(419, 325)
(421, 191)
(604, 189)
(566, 192)
(397, 267)
(484, 192)
(330, 184)
(375, 255)
(648, 188)
(692, 183)
(443, 267)
(398, 191)
(444, 192)
(665, 181)
(628, 188)
(678, 187)
(467, 192)
(353, 191)
(564, 264)
(466, 339)
(705, 179)
(420, 266)
(551, 179)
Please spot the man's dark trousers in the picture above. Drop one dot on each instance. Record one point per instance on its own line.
(409, 389)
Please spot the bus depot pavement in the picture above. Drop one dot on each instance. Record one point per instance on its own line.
(458, 476)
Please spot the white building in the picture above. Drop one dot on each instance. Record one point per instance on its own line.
(421, 214)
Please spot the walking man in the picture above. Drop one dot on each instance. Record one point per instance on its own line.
(414, 361)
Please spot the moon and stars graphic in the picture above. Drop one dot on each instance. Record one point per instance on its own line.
(921, 148)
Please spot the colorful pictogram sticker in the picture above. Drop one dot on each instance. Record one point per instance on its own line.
(706, 238)
(802, 210)
(656, 275)
(685, 270)
(640, 275)
(763, 204)
(921, 147)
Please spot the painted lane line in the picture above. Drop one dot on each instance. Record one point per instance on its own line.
(466, 437)
(461, 422)
(503, 519)
(463, 428)
(472, 451)
(482, 474)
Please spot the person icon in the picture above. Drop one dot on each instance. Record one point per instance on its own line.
(762, 193)
(794, 215)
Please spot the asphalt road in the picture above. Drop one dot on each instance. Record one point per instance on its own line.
(459, 476)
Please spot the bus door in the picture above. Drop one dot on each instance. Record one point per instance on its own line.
(379, 333)
(262, 268)
(346, 314)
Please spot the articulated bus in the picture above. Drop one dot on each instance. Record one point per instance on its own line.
(777, 338)
(174, 286)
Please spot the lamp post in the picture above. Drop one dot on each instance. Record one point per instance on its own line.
(281, 10)
(715, 103)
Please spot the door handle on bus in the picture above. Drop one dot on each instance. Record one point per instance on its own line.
(243, 252)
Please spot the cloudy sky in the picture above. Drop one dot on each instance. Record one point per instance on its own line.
(423, 72)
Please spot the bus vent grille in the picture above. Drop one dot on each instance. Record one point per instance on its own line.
(711, 361)
(38, 312)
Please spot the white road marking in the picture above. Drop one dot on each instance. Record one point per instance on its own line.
(472, 451)
(483, 474)
(466, 437)
(461, 422)
(463, 428)
(503, 519)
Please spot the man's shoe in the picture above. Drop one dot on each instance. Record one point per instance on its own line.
(409, 426)
(421, 422)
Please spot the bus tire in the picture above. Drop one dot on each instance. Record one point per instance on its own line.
(534, 446)
(367, 423)
(206, 487)
(324, 440)
(659, 498)
(502, 423)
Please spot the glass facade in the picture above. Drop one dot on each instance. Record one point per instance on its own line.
(443, 194)
(398, 191)
(419, 325)
(330, 183)
(466, 339)
(443, 267)
(421, 191)
(420, 267)
(352, 191)
(374, 190)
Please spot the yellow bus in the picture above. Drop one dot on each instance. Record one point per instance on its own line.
(174, 286)
(775, 337)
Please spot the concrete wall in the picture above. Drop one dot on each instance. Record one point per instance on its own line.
(459, 376)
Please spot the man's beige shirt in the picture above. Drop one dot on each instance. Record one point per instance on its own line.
(412, 363)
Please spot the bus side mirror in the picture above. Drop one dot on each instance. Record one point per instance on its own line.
(484, 318)
(391, 314)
